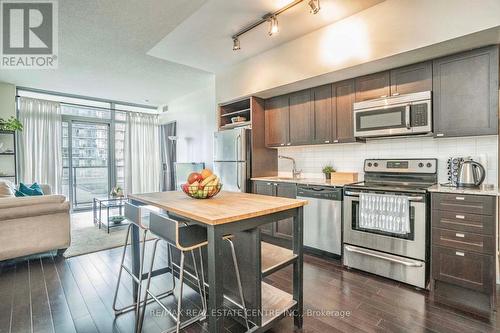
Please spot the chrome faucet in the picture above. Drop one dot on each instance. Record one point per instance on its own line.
(295, 173)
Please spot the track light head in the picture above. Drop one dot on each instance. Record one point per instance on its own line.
(236, 44)
(273, 25)
(314, 5)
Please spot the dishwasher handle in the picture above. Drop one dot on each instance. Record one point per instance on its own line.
(320, 193)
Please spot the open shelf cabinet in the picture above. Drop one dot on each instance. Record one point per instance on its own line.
(8, 160)
(241, 108)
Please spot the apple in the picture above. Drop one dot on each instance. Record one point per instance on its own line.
(194, 177)
(185, 188)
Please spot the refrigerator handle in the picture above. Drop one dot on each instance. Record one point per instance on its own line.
(238, 138)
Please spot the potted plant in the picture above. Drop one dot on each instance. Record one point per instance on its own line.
(117, 192)
(327, 170)
(11, 124)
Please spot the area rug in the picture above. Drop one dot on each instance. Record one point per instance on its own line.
(88, 238)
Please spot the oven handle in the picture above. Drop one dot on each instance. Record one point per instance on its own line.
(381, 256)
(356, 194)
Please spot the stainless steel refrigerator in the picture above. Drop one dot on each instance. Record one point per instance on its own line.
(232, 158)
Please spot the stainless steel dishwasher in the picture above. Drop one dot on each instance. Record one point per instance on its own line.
(322, 218)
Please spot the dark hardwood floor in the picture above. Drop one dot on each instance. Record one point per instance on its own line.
(50, 294)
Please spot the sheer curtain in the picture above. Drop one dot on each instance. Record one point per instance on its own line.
(40, 142)
(142, 153)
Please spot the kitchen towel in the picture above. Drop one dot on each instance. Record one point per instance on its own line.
(389, 213)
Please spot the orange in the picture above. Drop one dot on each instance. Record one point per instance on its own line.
(206, 173)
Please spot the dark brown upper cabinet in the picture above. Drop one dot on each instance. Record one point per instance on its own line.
(325, 124)
(411, 79)
(277, 121)
(465, 95)
(342, 108)
(372, 86)
(301, 118)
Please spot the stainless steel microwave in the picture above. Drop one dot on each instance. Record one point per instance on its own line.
(396, 115)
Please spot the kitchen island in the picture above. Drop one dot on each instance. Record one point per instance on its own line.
(232, 213)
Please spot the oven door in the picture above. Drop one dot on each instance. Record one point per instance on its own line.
(410, 245)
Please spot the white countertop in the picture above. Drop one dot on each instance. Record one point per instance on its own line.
(308, 181)
(485, 189)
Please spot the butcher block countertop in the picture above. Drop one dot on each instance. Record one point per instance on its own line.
(305, 181)
(226, 207)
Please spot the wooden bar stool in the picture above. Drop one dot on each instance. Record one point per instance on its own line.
(136, 216)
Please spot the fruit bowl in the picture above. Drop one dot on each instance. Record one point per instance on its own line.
(196, 192)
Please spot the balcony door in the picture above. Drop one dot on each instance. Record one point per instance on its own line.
(86, 162)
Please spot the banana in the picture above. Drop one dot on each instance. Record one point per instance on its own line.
(208, 180)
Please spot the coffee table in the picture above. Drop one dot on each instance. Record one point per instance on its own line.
(111, 221)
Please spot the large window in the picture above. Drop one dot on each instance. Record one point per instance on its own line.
(93, 145)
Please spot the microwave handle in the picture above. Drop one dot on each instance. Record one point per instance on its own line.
(407, 116)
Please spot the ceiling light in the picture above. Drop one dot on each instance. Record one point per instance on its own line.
(314, 5)
(273, 26)
(236, 44)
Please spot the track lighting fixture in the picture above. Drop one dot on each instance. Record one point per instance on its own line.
(314, 5)
(272, 18)
(236, 44)
(273, 25)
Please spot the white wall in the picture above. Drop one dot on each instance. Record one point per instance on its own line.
(195, 115)
(338, 51)
(350, 157)
(7, 100)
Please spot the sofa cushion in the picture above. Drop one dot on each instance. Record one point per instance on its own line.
(19, 194)
(6, 189)
(33, 190)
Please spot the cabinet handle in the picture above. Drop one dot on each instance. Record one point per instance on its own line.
(288, 144)
(327, 141)
(459, 235)
(458, 253)
(461, 217)
(282, 144)
(460, 198)
(439, 134)
(395, 94)
(335, 141)
(268, 183)
(383, 96)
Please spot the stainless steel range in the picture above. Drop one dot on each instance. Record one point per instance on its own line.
(386, 219)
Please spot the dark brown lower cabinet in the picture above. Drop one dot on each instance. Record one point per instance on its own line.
(279, 229)
(463, 265)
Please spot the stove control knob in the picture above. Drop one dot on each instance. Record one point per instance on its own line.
(369, 164)
(420, 165)
(375, 164)
(429, 165)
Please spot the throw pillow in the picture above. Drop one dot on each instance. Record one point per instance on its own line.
(30, 191)
(6, 189)
(19, 194)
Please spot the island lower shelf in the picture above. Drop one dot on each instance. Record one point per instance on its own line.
(275, 303)
(274, 258)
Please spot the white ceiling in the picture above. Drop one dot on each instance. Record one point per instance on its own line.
(103, 49)
(204, 39)
(153, 51)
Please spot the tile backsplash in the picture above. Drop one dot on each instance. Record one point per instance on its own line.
(350, 157)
